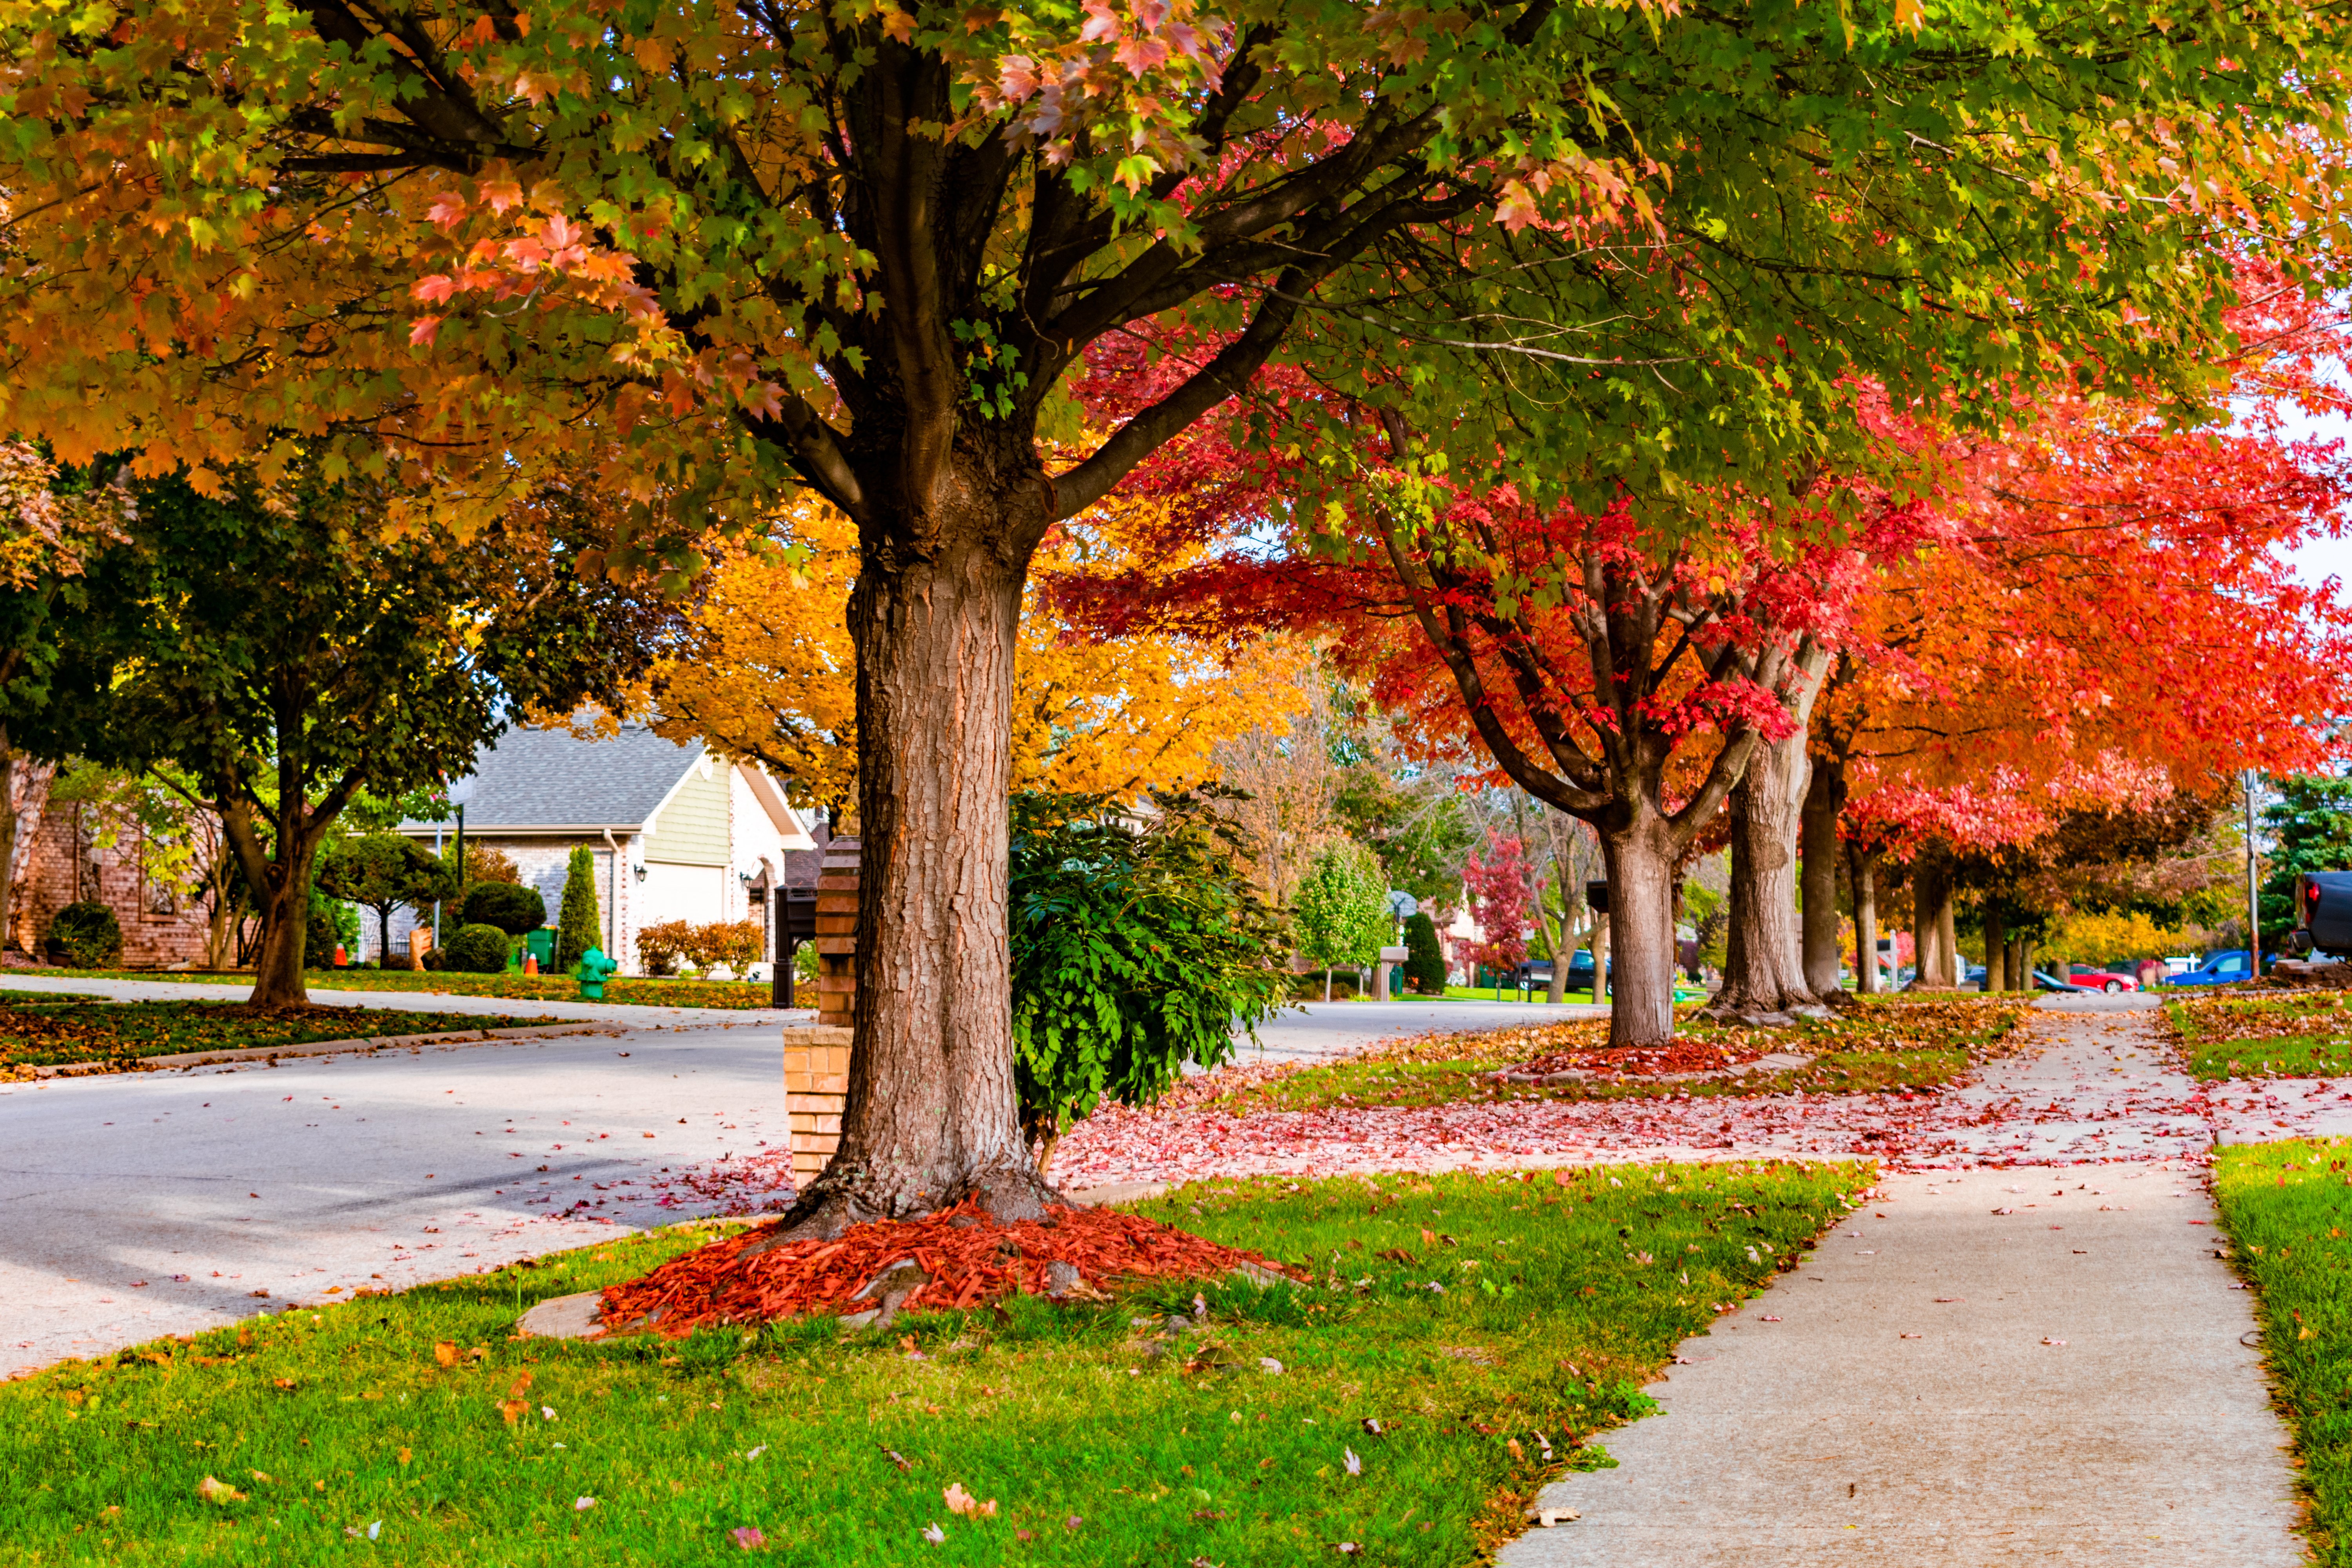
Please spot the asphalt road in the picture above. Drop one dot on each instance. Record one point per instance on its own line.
(150, 1204)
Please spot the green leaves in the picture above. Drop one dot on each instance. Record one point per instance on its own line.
(1138, 945)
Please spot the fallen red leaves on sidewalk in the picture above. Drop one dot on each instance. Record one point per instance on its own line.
(969, 1258)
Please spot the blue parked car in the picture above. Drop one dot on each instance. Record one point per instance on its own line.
(2218, 969)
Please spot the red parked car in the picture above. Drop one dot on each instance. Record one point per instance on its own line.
(2090, 979)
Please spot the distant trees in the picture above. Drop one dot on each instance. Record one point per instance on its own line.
(1341, 909)
(286, 648)
(383, 871)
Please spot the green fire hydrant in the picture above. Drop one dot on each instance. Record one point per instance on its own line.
(595, 970)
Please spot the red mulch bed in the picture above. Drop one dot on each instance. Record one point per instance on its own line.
(971, 1257)
(1679, 1056)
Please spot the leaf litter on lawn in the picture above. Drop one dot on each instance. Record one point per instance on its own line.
(955, 1259)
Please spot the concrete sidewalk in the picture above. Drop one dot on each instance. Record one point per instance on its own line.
(1942, 1383)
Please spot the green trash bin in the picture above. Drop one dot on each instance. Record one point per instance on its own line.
(541, 943)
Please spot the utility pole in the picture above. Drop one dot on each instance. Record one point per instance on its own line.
(2253, 897)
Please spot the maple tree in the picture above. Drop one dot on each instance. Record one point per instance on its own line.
(1503, 901)
(2111, 619)
(770, 675)
(692, 248)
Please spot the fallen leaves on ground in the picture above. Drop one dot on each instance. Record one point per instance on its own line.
(968, 1257)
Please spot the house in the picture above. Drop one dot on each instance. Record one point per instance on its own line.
(80, 851)
(675, 831)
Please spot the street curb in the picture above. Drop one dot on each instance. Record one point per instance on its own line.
(366, 1046)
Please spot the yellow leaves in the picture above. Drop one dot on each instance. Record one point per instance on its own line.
(514, 1406)
(654, 55)
(445, 1352)
(962, 1501)
(1909, 14)
(218, 1492)
(775, 679)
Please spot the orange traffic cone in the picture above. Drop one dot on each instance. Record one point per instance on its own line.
(342, 959)
(530, 964)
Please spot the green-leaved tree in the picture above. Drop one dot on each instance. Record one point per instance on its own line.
(1341, 909)
(580, 925)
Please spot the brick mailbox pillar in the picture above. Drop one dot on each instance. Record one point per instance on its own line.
(816, 1059)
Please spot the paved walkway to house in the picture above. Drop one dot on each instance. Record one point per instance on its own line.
(1942, 1383)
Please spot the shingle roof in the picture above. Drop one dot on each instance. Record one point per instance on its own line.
(551, 778)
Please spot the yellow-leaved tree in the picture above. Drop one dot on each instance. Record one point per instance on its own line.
(772, 677)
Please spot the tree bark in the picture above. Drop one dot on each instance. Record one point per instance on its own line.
(2020, 965)
(931, 1115)
(1601, 961)
(1996, 940)
(1931, 924)
(1640, 859)
(1763, 971)
(1865, 919)
(1819, 862)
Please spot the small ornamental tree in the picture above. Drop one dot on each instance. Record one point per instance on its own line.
(1341, 909)
(581, 924)
(1501, 902)
(1136, 946)
(1424, 965)
(382, 872)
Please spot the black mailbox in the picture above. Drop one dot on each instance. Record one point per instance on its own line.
(2323, 904)
(1596, 897)
(795, 911)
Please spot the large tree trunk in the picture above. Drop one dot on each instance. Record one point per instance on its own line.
(1931, 922)
(1763, 965)
(285, 930)
(931, 1116)
(2020, 965)
(1763, 973)
(1996, 940)
(1865, 919)
(1641, 863)
(1819, 864)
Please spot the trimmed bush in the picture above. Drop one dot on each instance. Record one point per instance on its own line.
(86, 936)
(1424, 965)
(661, 944)
(513, 909)
(477, 950)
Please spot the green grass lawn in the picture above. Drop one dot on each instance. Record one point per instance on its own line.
(40, 1028)
(739, 994)
(2294, 1034)
(1464, 1334)
(1880, 1045)
(2288, 1210)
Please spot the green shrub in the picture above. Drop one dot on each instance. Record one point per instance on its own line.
(86, 936)
(1424, 965)
(1136, 946)
(513, 909)
(580, 926)
(477, 950)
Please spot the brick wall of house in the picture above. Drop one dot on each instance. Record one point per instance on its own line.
(161, 929)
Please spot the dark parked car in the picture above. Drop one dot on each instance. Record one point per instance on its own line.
(1535, 975)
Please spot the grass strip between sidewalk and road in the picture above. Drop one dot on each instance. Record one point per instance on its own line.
(735, 995)
(40, 1028)
(2288, 1209)
(1464, 1335)
(1874, 1046)
(2291, 1034)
